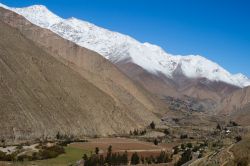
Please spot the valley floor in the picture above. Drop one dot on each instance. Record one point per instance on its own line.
(222, 146)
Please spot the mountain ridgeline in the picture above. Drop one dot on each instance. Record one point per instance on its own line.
(159, 72)
(70, 76)
(50, 85)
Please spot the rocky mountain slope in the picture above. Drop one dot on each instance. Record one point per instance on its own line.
(159, 72)
(237, 106)
(49, 84)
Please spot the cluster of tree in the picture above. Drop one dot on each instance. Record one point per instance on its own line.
(64, 139)
(162, 158)
(166, 132)
(7, 157)
(238, 138)
(185, 157)
(122, 159)
(137, 132)
(183, 136)
(44, 153)
(3, 143)
(188, 145)
(217, 144)
(191, 147)
(110, 159)
(232, 124)
(61, 137)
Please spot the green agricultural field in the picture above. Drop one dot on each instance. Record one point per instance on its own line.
(72, 155)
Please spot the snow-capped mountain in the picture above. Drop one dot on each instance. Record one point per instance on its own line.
(117, 47)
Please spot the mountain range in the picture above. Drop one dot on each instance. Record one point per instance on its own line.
(119, 48)
(159, 72)
(63, 74)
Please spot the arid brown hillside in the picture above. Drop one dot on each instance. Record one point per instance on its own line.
(237, 106)
(40, 96)
(236, 100)
(89, 64)
(179, 86)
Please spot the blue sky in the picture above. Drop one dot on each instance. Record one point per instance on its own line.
(216, 29)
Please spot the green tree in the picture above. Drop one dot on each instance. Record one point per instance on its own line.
(238, 138)
(101, 160)
(218, 127)
(109, 155)
(183, 146)
(136, 132)
(135, 159)
(156, 142)
(161, 157)
(166, 131)
(176, 149)
(85, 157)
(125, 158)
(189, 145)
(3, 143)
(184, 136)
(185, 157)
(97, 150)
(142, 160)
(152, 125)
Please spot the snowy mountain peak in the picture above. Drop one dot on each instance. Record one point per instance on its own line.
(39, 15)
(37, 8)
(117, 47)
(4, 6)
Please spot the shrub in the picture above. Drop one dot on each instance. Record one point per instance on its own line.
(218, 127)
(176, 120)
(200, 155)
(19, 147)
(196, 148)
(24, 158)
(176, 149)
(96, 150)
(2, 156)
(238, 138)
(142, 160)
(7, 157)
(3, 143)
(50, 152)
(163, 158)
(65, 142)
(189, 145)
(184, 136)
(166, 131)
(136, 132)
(183, 146)
(232, 123)
(143, 132)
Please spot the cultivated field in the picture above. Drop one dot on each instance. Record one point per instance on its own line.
(120, 145)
